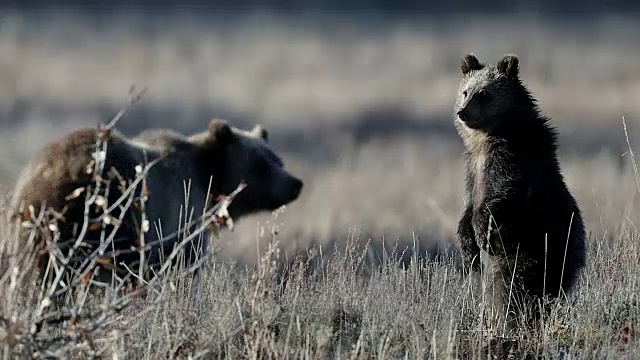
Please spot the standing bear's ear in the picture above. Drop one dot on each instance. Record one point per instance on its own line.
(220, 130)
(261, 132)
(470, 62)
(508, 66)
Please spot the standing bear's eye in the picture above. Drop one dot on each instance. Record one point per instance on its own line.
(483, 95)
(464, 93)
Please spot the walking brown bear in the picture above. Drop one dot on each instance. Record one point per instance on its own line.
(520, 223)
(189, 175)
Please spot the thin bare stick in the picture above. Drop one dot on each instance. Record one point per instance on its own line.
(120, 114)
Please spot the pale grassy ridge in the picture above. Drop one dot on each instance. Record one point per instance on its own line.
(319, 83)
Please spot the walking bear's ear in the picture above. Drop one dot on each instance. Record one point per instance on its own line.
(261, 132)
(508, 66)
(220, 130)
(470, 62)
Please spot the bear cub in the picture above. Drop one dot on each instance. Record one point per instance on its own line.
(188, 176)
(520, 223)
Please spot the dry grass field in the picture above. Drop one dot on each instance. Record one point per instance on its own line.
(362, 111)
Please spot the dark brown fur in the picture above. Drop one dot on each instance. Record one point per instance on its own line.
(210, 163)
(519, 213)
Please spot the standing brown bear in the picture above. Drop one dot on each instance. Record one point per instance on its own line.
(188, 177)
(520, 224)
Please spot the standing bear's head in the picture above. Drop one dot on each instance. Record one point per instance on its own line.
(245, 156)
(491, 98)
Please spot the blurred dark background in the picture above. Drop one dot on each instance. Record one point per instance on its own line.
(381, 7)
(357, 95)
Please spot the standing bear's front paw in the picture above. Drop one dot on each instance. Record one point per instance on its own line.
(491, 241)
(483, 244)
(482, 236)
